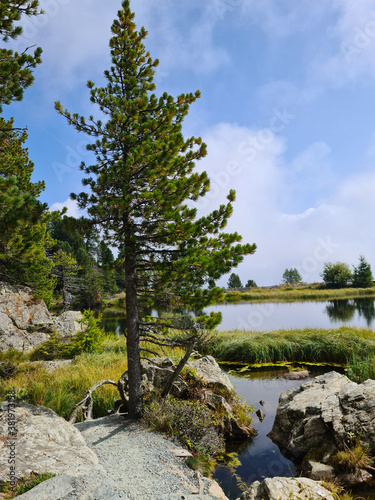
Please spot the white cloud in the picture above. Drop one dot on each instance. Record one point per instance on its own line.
(334, 229)
(71, 205)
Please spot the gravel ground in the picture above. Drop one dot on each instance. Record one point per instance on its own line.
(140, 462)
(134, 463)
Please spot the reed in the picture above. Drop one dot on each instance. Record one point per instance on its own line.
(310, 345)
(298, 293)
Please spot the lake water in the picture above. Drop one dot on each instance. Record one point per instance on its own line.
(289, 315)
(260, 457)
(279, 315)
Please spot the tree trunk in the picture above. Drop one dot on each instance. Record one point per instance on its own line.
(178, 370)
(132, 333)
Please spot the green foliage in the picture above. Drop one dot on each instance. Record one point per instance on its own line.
(15, 69)
(361, 367)
(291, 276)
(251, 284)
(65, 269)
(89, 339)
(336, 275)
(234, 281)
(142, 188)
(362, 276)
(190, 421)
(24, 233)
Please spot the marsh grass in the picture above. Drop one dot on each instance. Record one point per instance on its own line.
(62, 389)
(309, 292)
(65, 386)
(310, 345)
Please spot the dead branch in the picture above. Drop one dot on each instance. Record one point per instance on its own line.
(86, 402)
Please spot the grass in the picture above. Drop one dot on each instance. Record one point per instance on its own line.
(296, 293)
(65, 387)
(338, 345)
(24, 485)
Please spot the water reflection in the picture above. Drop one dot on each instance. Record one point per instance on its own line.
(358, 312)
(345, 310)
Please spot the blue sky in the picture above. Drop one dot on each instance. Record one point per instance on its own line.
(287, 112)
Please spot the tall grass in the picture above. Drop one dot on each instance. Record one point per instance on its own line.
(310, 345)
(285, 293)
(62, 389)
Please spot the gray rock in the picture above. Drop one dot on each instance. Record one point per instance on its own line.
(211, 372)
(319, 414)
(25, 322)
(319, 471)
(44, 442)
(296, 375)
(286, 488)
(68, 323)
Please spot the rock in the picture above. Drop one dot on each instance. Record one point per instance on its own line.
(155, 373)
(44, 442)
(286, 488)
(356, 478)
(68, 323)
(296, 375)
(319, 414)
(210, 371)
(318, 471)
(25, 322)
(260, 414)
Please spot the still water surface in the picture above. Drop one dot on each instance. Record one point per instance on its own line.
(289, 315)
(260, 457)
(278, 315)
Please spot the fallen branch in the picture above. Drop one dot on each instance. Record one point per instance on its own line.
(86, 402)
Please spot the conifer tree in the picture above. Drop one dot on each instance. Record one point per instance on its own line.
(362, 276)
(23, 218)
(142, 189)
(16, 68)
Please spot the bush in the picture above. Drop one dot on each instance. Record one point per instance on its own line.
(336, 275)
(191, 422)
(89, 339)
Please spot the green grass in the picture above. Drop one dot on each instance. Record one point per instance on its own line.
(310, 345)
(62, 389)
(296, 293)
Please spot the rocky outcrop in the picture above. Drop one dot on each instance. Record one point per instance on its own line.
(25, 322)
(318, 416)
(157, 371)
(210, 371)
(38, 441)
(287, 488)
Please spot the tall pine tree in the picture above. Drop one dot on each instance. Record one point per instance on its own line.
(23, 218)
(142, 189)
(16, 68)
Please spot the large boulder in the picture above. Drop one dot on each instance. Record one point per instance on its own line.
(25, 322)
(318, 416)
(210, 371)
(38, 441)
(286, 488)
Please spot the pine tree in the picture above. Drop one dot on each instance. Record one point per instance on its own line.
(140, 189)
(24, 219)
(234, 281)
(362, 276)
(65, 269)
(15, 68)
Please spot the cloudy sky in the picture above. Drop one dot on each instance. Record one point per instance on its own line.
(287, 112)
